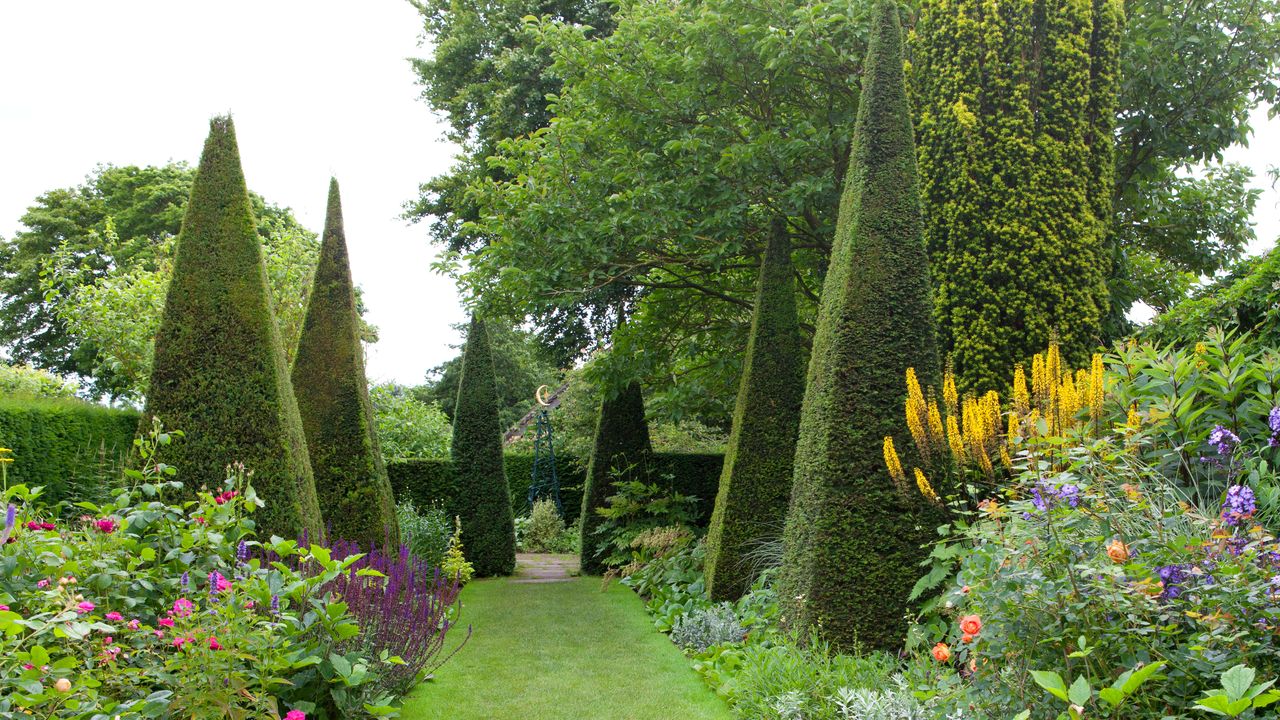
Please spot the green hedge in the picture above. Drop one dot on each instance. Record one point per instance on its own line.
(60, 443)
(428, 481)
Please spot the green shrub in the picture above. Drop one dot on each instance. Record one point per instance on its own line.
(638, 508)
(219, 371)
(755, 486)
(483, 499)
(33, 382)
(852, 538)
(425, 531)
(545, 529)
(622, 452)
(1246, 301)
(408, 427)
(65, 445)
(455, 565)
(333, 401)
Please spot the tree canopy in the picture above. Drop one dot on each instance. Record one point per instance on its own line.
(82, 286)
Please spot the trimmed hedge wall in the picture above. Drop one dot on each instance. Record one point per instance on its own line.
(59, 443)
(428, 481)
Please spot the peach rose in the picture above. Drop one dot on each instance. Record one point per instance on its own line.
(941, 652)
(971, 624)
(1118, 551)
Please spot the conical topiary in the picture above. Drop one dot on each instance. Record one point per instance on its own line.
(219, 373)
(755, 485)
(483, 499)
(622, 451)
(852, 539)
(333, 399)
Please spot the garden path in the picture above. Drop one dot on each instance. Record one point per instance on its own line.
(547, 646)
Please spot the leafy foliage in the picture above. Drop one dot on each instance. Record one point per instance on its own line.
(333, 401)
(408, 427)
(424, 531)
(219, 369)
(852, 538)
(1245, 300)
(755, 487)
(34, 382)
(82, 286)
(483, 501)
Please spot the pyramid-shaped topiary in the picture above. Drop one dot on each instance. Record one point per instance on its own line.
(333, 398)
(219, 373)
(852, 539)
(622, 451)
(755, 485)
(483, 499)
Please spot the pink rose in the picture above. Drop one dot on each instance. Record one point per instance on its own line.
(133, 624)
(3, 608)
(42, 584)
(114, 616)
(213, 643)
(106, 525)
(165, 622)
(295, 715)
(85, 607)
(183, 607)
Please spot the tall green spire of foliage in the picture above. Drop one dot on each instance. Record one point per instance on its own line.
(755, 485)
(219, 373)
(333, 398)
(621, 452)
(1015, 108)
(483, 499)
(852, 539)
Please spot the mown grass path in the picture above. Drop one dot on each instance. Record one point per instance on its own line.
(562, 650)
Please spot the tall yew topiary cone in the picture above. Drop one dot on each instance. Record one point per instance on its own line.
(621, 451)
(755, 485)
(483, 500)
(333, 398)
(852, 540)
(219, 373)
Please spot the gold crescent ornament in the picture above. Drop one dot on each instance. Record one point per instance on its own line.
(541, 396)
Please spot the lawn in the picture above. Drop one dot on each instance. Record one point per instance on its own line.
(562, 650)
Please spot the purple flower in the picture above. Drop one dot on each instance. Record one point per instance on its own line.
(1172, 577)
(1273, 420)
(275, 604)
(1070, 493)
(1038, 500)
(184, 580)
(10, 519)
(242, 552)
(1239, 504)
(1224, 440)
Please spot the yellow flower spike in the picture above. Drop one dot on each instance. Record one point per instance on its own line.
(925, 488)
(1201, 348)
(935, 423)
(1033, 423)
(1012, 432)
(1005, 460)
(984, 461)
(1135, 418)
(917, 412)
(1038, 384)
(1097, 387)
(1021, 399)
(955, 439)
(991, 411)
(949, 394)
(891, 460)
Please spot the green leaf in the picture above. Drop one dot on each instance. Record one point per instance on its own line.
(1080, 693)
(1237, 681)
(1052, 682)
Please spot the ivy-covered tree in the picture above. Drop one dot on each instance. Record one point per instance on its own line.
(1015, 106)
(755, 485)
(621, 452)
(333, 399)
(852, 539)
(483, 499)
(219, 373)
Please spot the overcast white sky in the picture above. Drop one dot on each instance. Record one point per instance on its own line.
(317, 87)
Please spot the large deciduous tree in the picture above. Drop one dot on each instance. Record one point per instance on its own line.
(755, 485)
(220, 374)
(83, 284)
(852, 543)
(333, 400)
(1015, 106)
(483, 498)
